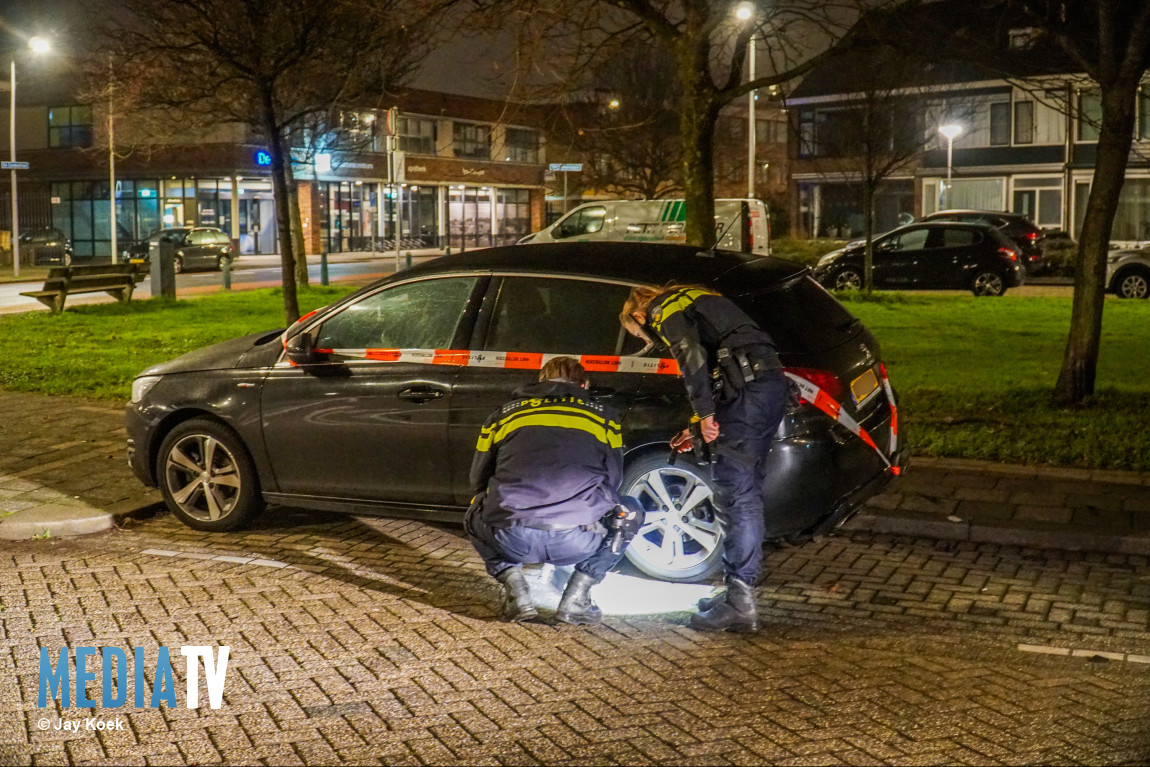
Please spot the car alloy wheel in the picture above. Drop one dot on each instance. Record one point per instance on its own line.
(222, 261)
(681, 538)
(1134, 285)
(988, 284)
(848, 279)
(177, 264)
(206, 476)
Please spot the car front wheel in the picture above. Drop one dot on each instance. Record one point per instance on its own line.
(681, 539)
(206, 476)
(987, 283)
(1134, 283)
(848, 278)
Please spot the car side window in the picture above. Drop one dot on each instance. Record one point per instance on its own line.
(219, 238)
(586, 221)
(414, 315)
(912, 240)
(197, 238)
(554, 315)
(959, 238)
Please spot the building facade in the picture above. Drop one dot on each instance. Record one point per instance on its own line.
(1026, 145)
(466, 175)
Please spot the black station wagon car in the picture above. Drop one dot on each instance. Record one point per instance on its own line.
(373, 405)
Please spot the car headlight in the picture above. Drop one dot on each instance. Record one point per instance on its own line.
(142, 385)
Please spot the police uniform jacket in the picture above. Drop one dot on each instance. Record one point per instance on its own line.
(695, 324)
(551, 456)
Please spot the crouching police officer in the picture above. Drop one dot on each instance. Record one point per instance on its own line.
(715, 342)
(546, 471)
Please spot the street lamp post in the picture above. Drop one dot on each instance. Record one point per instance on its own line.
(37, 45)
(744, 12)
(951, 131)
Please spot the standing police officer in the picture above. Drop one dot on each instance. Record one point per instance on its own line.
(546, 474)
(714, 341)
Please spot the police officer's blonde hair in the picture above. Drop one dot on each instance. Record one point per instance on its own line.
(642, 296)
(564, 369)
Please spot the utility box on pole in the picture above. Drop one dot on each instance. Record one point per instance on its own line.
(162, 256)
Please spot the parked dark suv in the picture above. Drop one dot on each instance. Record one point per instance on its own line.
(937, 255)
(45, 247)
(373, 404)
(1018, 229)
(198, 247)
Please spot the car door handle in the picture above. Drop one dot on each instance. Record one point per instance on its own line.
(600, 391)
(420, 394)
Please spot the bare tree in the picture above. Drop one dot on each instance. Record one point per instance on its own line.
(627, 128)
(269, 64)
(708, 44)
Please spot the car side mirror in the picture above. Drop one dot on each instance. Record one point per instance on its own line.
(300, 350)
(888, 245)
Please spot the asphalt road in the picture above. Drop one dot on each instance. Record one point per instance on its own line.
(250, 272)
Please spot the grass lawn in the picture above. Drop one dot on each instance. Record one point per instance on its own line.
(96, 350)
(974, 375)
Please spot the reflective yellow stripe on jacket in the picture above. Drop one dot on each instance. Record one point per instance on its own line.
(676, 302)
(607, 432)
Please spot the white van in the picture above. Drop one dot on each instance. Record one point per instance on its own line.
(741, 225)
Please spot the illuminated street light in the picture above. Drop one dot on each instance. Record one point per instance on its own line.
(744, 12)
(951, 131)
(37, 45)
(613, 104)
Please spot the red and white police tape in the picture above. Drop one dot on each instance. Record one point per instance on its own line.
(808, 391)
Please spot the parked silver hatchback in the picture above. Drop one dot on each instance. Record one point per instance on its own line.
(1128, 273)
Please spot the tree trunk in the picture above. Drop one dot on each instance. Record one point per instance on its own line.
(697, 130)
(1080, 360)
(298, 244)
(282, 196)
(868, 233)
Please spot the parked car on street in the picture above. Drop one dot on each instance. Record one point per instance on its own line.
(198, 247)
(373, 405)
(1019, 229)
(940, 255)
(1128, 273)
(46, 247)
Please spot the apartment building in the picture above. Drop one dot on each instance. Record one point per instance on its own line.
(1024, 144)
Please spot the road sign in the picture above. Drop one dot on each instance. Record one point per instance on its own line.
(7, 165)
(572, 167)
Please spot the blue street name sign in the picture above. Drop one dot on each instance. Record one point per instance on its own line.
(8, 165)
(573, 167)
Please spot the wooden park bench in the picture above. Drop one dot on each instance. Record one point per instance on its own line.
(117, 280)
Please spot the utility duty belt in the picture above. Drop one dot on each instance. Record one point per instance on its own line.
(740, 366)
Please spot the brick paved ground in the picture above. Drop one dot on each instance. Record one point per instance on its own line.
(379, 645)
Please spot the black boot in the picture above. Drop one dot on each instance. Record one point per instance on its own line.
(576, 606)
(517, 604)
(735, 612)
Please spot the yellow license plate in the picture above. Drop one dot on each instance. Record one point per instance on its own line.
(864, 386)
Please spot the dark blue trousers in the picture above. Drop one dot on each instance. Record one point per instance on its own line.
(504, 547)
(747, 425)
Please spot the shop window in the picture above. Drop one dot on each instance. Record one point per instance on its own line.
(472, 141)
(70, 126)
(1089, 115)
(1000, 124)
(416, 135)
(522, 145)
